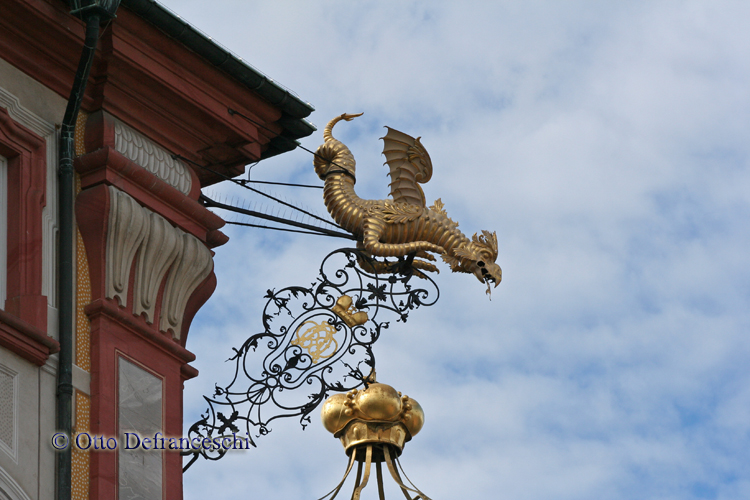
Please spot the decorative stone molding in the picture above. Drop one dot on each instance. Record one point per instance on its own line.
(153, 158)
(9, 412)
(105, 166)
(102, 311)
(128, 227)
(26, 340)
(192, 267)
(3, 230)
(10, 487)
(161, 249)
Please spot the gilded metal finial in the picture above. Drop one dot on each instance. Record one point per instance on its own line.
(403, 225)
(373, 425)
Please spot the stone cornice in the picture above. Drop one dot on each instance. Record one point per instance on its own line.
(101, 308)
(26, 340)
(153, 158)
(107, 166)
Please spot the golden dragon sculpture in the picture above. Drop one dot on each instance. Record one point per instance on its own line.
(403, 225)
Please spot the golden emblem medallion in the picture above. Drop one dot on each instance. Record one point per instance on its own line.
(317, 339)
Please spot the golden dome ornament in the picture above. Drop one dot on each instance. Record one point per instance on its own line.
(373, 425)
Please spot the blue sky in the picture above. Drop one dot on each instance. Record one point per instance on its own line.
(607, 144)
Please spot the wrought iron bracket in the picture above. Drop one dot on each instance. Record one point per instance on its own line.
(315, 340)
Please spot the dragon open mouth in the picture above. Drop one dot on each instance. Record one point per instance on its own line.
(488, 278)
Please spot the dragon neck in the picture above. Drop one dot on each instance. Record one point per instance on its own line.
(447, 234)
(452, 240)
(460, 241)
(346, 208)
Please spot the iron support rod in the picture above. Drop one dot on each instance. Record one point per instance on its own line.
(208, 202)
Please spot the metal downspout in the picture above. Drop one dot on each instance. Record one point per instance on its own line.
(65, 257)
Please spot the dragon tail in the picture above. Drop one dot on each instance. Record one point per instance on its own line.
(333, 155)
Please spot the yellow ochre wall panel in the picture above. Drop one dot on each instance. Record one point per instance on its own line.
(80, 459)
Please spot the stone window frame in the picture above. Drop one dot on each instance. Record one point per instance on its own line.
(21, 130)
(24, 324)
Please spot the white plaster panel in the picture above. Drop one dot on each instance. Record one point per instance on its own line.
(81, 380)
(33, 470)
(43, 102)
(47, 426)
(140, 412)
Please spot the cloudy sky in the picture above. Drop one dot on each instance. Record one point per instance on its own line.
(608, 144)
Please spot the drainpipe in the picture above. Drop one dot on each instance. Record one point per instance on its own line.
(91, 14)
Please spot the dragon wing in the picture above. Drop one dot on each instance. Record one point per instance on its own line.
(409, 165)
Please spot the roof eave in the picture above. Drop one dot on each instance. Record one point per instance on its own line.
(293, 108)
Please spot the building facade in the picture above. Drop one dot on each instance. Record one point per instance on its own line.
(154, 129)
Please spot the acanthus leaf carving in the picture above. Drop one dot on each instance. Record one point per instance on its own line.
(158, 252)
(162, 250)
(128, 227)
(193, 266)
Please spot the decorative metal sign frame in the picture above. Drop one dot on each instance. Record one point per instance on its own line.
(316, 340)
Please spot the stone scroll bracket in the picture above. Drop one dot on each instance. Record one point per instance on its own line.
(140, 261)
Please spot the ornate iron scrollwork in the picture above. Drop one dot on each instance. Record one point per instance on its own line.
(316, 340)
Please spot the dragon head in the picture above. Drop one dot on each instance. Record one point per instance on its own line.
(478, 258)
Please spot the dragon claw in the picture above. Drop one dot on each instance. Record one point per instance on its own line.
(424, 255)
(425, 266)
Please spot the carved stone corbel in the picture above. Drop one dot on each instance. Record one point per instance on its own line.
(158, 252)
(193, 266)
(128, 227)
(138, 236)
